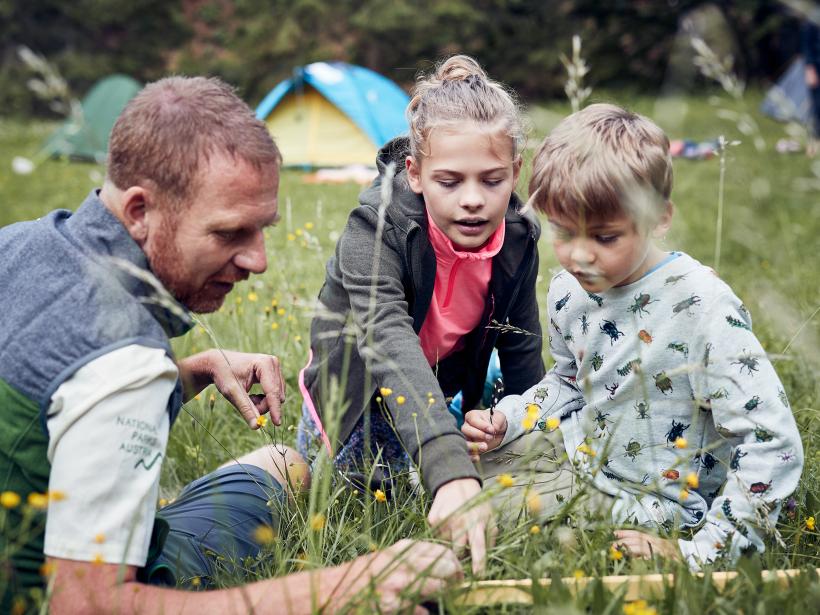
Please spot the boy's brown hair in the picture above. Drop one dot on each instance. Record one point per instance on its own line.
(600, 162)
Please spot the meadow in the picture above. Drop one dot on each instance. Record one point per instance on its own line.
(761, 222)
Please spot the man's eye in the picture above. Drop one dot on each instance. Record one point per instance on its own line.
(227, 235)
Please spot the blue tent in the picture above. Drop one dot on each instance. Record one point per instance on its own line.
(788, 99)
(333, 114)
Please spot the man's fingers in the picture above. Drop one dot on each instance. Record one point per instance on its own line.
(242, 402)
(269, 375)
(478, 547)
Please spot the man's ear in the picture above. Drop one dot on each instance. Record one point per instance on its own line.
(665, 221)
(135, 207)
(413, 174)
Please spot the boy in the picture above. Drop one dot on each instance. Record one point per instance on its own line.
(669, 409)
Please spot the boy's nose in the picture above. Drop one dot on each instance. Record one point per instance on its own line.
(581, 252)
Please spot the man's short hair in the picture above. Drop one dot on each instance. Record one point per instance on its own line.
(168, 132)
(600, 162)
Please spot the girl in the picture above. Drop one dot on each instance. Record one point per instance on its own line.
(414, 294)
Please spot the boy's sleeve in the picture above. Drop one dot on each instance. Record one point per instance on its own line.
(556, 395)
(750, 408)
(391, 349)
(520, 353)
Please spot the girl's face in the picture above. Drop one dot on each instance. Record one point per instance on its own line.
(466, 181)
(602, 254)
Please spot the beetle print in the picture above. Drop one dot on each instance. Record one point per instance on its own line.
(611, 329)
(685, 305)
(627, 369)
(674, 279)
(676, 431)
(633, 449)
(663, 382)
(555, 326)
(781, 395)
(734, 463)
(739, 324)
(681, 347)
(761, 435)
(597, 360)
(596, 298)
(601, 419)
(562, 302)
(611, 388)
(707, 460)
(640, 302)
(787, 456)
(584, 323)
(747, 361)
(540, 394)
(706, 352)
(670, 474)
(725, 431)
(644, 336)
(760, 487)
(753, 403)
(642, 408)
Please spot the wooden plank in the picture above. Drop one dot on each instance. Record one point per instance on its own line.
(485, 593)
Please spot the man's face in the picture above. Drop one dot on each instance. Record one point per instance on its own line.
(466, 180)
(602, 254)
(201, 251)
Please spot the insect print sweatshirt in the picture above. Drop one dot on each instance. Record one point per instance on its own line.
(680, 416)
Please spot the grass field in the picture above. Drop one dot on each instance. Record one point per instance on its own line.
(768, 254)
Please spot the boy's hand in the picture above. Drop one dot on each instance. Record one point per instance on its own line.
(483, 434)
(646, 546)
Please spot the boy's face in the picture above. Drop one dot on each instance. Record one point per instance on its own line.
(466, 179)
(602, 254)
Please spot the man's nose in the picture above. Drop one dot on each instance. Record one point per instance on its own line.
(252, 257)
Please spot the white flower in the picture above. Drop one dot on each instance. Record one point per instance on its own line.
(22, 166)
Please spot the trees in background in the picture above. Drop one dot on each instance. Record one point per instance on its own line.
(255, 43)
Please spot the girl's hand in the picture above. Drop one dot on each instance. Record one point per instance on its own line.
(646, 546)
(483, 434)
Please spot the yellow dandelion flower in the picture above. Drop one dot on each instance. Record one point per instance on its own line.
(99, 538)
(505, 480)
(297, 339)
(578, 573)
(163, 502)
(298, 232)
(586, 450)
(535, 530)
(9, 499)
(196, 582)
(317, 522)
(681, 443)
(533, 504)
(291, 237)
(810, 524)
(252, 296)
(528, 423)
(615, 554)
(308, 225)
(274, 326)
(533, 410)
(197, 397)
(386, 391)
(267, 310)
(553, 423)
(430, 401)
(400, 399)
(238, 300)
(274, 302)
(264, 535)
(261, 420)
(379, 495)
(38, 501)
(212, 398)
(56, 495)
(47, 569)
(684, 493)
(281, 311)
(97, 560)
(692, 480)
(291, 318)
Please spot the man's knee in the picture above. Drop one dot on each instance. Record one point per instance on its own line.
(283, 463)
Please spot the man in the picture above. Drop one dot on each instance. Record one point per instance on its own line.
(89, 386)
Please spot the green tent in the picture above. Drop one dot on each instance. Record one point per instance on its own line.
(86, 138)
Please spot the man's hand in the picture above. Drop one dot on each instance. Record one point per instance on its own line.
(234, 373)
(646, 546)
(464, 522)
(482, 433)
(404, 574)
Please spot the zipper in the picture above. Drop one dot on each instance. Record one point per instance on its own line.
(451, 282)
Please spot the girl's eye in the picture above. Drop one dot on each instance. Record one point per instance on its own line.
(447, 183)
(606, 238)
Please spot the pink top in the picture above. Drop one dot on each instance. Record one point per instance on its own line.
(459, 293)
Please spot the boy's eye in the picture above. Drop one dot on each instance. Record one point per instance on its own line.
(605, 238)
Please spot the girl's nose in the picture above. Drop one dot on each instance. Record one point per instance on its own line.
(472, 197)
